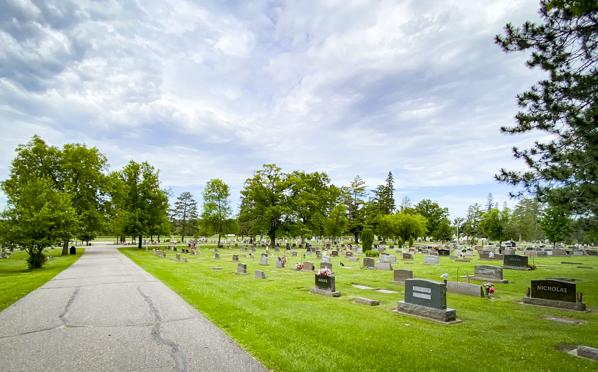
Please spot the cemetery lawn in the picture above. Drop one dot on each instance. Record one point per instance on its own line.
(287, 328)
(16, 280)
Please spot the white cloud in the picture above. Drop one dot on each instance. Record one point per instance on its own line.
(212, 90)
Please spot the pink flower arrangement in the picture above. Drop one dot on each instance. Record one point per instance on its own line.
(325, 272)
(299, 266)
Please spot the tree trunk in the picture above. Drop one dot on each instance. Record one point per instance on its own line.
(140, 242)
(272, 240)
(65, 248)
(218, 245)
(356, 235)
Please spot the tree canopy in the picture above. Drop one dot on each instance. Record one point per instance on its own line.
(561, 167)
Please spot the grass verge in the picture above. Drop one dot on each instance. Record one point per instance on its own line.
(289, 329)
(16, 280)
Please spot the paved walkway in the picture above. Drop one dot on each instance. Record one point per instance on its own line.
(104, 313)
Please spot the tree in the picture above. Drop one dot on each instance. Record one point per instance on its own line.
(384, 196)
(495, 224)
(367, 238)
(265, 202)
(185, 214)
(311, 198)
(436, 216)
(525, 219)
(471, 226)
(143, 205)
(37, 217)
(216, 206)
(556, 224)
(82, 177)
(403, 226)
(353, 197)
(458, 223)
(562, 166)
(75, 170)
(336, 222)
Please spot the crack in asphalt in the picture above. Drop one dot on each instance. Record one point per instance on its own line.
(175, 350)
(68, 306)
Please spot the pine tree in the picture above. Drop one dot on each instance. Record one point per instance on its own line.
(563, 165)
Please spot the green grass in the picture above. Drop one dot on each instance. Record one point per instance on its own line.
(16, 280)
(289, 329)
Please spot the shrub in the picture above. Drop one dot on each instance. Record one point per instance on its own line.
(36, 259)
(367, 238)
(372, 253)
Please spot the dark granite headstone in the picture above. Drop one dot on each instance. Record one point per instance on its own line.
(553, 290)
(408, 256)
(425, 293)
(73, 250)
(444, 252)
(326, 283)
(334, 254)
(515, 261)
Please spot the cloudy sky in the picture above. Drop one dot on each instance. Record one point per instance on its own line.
(215, 89)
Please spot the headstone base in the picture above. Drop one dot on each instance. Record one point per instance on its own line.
(365, 301)
(324, 292)
(504, 281)
(516, 268)
(446, 315)
(240, 273)
(578, 306)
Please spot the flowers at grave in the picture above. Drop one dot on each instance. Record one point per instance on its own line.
(325, 272)
(299, 266)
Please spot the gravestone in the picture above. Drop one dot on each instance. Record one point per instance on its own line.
(348, 254)
(489, 273)
(555, 293)
(260, 274)
(235, 257)
(308, 266)
(334, 253)
(241, 269)
(388, 258)
(294, 253)
(444, 252)
(515, 262)
(383, 266)
(325, 285)
(73, 250)
(407, 256)
(465, 288)
(401, 275)
(178, 256)
(426, 298)
(431, 260)
(216, 256)
(279, 263)
(326, 265)
(369, 263)
(264, 260)
(326, 259)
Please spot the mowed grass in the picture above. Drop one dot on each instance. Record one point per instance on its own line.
(289, 329)
(16, 280)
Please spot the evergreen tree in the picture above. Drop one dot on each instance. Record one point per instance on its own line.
(185, 214)
(562, 166)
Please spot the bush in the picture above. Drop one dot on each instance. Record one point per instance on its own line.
(372, 253)
(36, 259)
(410, 241)
(367, 238)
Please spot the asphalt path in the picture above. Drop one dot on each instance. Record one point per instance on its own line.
(104, 313)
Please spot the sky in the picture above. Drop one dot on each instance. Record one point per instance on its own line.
(216, 89)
